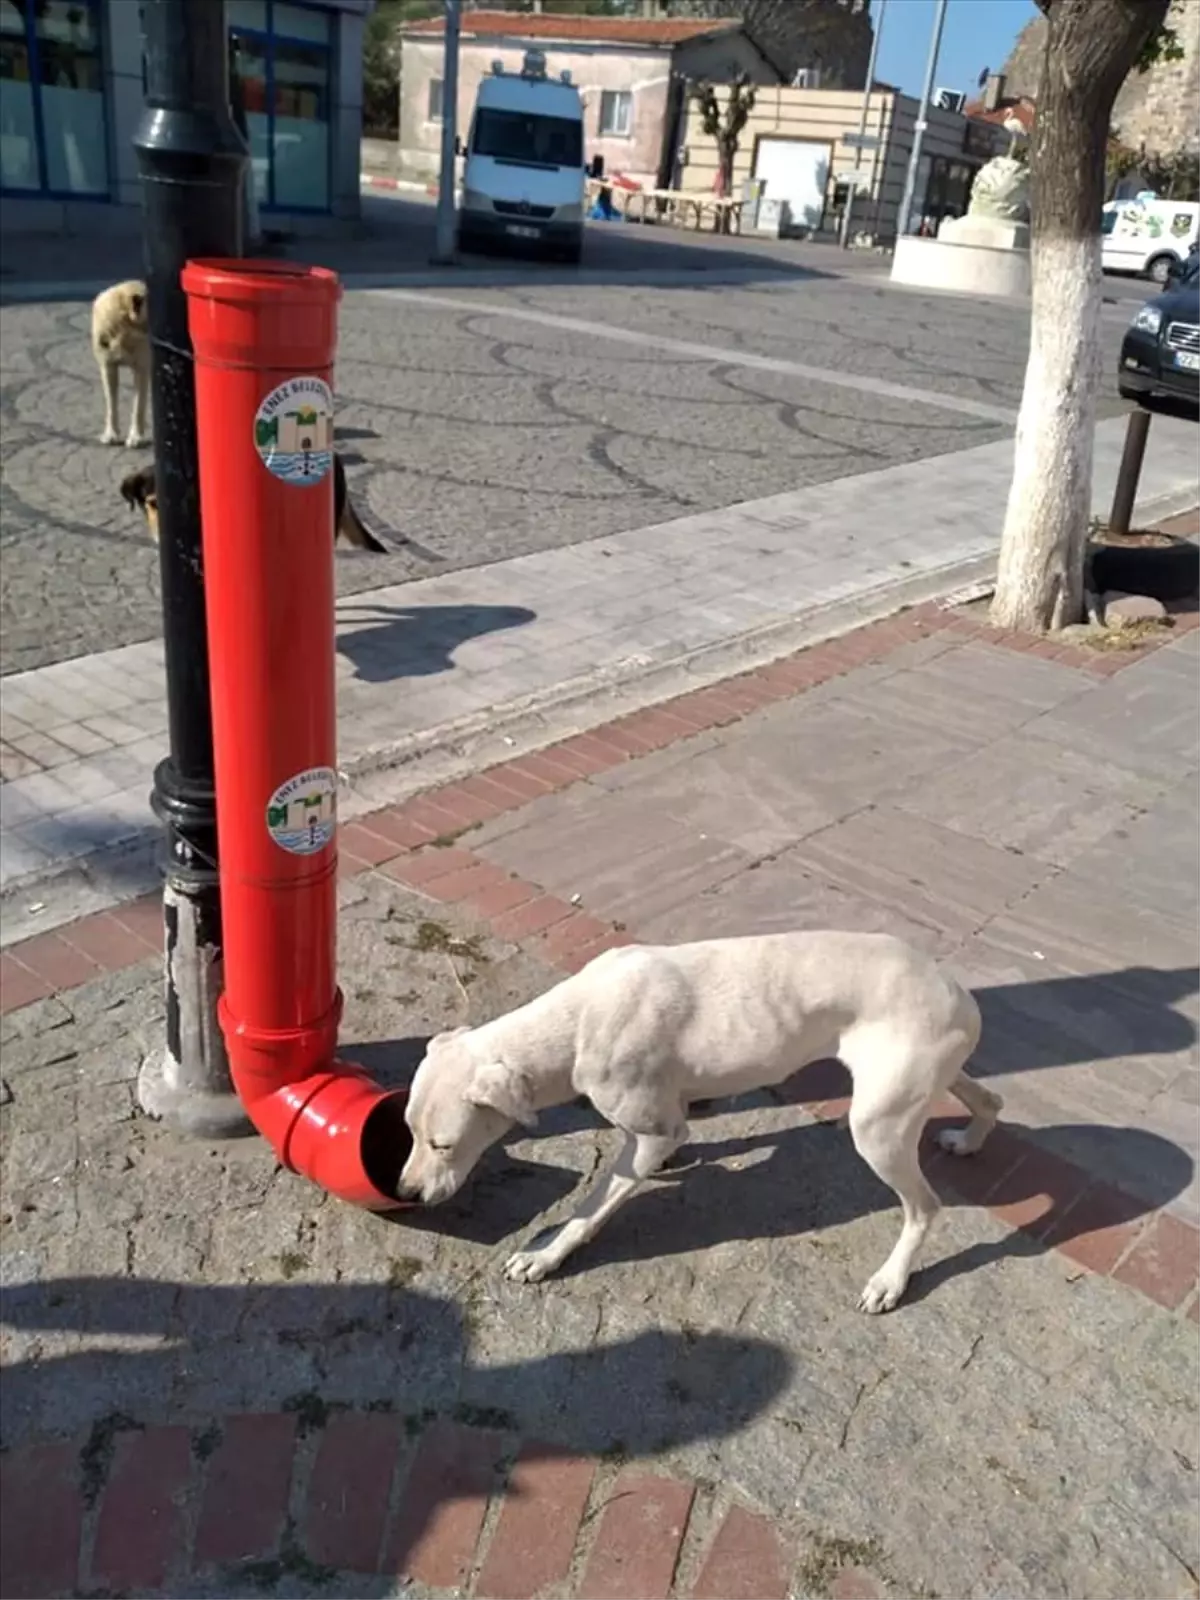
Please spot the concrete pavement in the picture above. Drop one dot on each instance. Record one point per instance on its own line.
(513, 654)
(218, 1382)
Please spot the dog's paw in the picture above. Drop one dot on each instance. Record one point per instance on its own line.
(955, 1142)
(110, 436)
(137, 441)
(880, 1294)
(529, 1266)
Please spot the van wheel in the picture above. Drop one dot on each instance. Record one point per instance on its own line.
(1159, 270)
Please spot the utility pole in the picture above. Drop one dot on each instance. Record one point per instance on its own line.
(193, 165)
(862, 126)
(444, 250)
(914, 160)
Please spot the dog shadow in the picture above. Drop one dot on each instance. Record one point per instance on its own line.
(806, 1180)
(417, 641)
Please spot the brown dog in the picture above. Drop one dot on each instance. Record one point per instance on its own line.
(139, 493)
(121, 338)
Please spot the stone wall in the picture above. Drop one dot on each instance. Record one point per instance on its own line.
(1157, 108)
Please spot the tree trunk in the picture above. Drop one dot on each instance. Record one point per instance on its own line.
(1090, 47)
(726, 156)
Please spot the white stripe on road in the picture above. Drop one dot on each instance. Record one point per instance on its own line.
(712, 352)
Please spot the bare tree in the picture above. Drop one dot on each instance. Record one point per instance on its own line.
(1090, 47)
(725, 128)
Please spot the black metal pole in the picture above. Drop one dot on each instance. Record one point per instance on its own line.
(1130, 471)
(193, 167)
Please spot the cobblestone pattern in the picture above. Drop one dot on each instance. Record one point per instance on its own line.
(470, 438)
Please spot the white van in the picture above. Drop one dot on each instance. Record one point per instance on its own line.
(524, 181)
(1147, 235)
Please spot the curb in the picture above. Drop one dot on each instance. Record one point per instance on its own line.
(419, 843)
(447, 752)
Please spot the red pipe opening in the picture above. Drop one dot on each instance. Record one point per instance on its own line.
(264, 335)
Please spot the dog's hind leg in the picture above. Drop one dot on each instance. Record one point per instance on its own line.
(641, 1156)
(888, 1139)
(984, 1106)
(110, 377)
(139, 427)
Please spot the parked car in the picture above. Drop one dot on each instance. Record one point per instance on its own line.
(1160, 354)
(1148, 236)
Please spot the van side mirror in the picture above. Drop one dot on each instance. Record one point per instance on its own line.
(460, 148)
(596, 169)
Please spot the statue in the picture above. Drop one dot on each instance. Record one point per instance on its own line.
(1001, 191)
(998, 216)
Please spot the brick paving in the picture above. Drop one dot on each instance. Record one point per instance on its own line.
(218, 1474)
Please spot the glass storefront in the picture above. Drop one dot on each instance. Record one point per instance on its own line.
(53, 136)
(286, 67)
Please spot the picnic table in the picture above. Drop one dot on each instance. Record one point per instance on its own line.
(676, 206)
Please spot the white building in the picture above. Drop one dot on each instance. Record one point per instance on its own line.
(71, 87)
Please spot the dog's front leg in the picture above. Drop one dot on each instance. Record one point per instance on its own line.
(110, 377)
(139, 427)
(640, 1157)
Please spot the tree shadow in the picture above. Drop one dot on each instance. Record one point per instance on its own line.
(452, 1425)
(416, 641)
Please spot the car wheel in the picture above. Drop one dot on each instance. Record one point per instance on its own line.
(1159, 270)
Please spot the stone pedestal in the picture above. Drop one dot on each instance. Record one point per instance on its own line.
(991, 233)
(961, 267)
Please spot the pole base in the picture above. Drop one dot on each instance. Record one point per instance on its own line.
(163, 1094)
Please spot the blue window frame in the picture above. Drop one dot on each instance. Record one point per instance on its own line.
(285, 62)
(53, 115)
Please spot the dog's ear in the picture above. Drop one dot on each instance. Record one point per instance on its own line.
(501, 1088)
(137, 303)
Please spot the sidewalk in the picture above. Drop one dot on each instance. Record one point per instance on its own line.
(220, 1382)
(506, 657)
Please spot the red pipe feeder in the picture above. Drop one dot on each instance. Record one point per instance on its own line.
(264, 335)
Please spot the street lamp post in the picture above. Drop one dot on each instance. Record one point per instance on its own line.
(444, 249)
(193, 165)
(914, 160)
(852, 189)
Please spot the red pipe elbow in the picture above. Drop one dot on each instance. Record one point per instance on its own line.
(324, 1118)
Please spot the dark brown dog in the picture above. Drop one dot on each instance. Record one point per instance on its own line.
(139, 493)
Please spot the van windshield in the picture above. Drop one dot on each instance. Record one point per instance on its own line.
(527, 138)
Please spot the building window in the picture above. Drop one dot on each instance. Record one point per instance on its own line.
(286, 68)
(53, 135)
(616, 112)
(433, 111)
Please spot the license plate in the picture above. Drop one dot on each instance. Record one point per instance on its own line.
(518, 232)
(1189, 360)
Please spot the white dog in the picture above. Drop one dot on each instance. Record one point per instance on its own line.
(121, 338)
(643, 1031)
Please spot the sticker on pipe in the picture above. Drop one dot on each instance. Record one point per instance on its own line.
(293, 431)
(302, 813)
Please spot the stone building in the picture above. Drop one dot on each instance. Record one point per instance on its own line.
(1157, 108)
